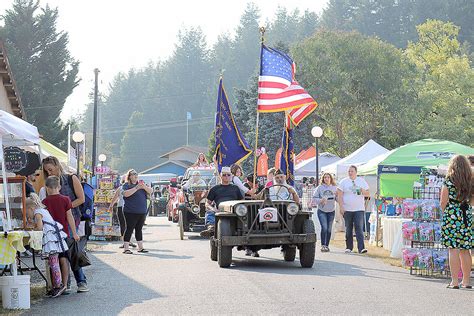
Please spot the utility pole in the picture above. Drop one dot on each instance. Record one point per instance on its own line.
(94, 130)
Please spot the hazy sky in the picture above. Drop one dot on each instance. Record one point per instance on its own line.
(116, 35)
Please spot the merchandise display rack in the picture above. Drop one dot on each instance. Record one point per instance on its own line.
(105, 222)
(424, 254)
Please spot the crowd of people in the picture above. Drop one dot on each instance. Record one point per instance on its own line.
(55, 210)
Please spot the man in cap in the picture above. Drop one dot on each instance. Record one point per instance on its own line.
(226, 191)
(280, 190)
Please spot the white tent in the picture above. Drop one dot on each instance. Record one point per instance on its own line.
(368, 151)
(14, 132)
(307, 168)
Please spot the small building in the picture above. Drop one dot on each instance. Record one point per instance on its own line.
(177, 160)
(170, 166)
(9, 97)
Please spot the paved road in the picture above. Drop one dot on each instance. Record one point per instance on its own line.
(177, 277)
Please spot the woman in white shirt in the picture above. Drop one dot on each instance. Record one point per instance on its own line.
(351, 192)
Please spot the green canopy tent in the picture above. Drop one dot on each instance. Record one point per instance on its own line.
(398, 169)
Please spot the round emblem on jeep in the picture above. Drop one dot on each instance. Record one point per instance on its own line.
(268, 216)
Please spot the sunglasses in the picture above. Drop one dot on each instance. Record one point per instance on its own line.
(226, 174)
(133, 173)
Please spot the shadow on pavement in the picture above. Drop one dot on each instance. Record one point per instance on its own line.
(320, 268)
(110, 292)
(162, 256)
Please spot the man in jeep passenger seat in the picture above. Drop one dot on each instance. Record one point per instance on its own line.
(218, 194)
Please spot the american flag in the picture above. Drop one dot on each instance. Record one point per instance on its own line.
(277, 88)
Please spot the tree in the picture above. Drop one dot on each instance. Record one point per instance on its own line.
(445, 83)
(396, 21)
(44, 69)
(362, 86)
(289, 28)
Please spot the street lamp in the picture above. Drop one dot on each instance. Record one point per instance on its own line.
(317, 132)
(102, 158)
(78, 137)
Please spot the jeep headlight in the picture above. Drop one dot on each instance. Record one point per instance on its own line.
(241, 210)
(195, 209)
(292, 208)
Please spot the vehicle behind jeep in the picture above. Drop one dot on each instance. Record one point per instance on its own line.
(192, 210)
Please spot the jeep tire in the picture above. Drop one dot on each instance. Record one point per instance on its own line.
(224, 253)
(289, 253)
(213, 249)
(307, 250)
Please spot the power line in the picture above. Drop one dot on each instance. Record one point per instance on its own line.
(163, 126)
(205, 118)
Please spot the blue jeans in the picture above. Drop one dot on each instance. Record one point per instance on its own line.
(80, 276)
(326, 220)
(210, 218)
(355, 220)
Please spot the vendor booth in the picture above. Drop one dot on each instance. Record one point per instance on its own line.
(407, 211)
(398, 169)
(14, 135)
(358, 157)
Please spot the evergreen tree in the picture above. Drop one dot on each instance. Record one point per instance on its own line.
(44, 69)
(396, 21)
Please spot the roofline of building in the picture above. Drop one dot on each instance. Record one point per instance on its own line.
(193, 149)
(176, 162)
(21, 110)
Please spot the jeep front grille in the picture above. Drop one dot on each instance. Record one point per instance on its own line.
(276, 227)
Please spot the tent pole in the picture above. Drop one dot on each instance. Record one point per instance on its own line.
(8, 225)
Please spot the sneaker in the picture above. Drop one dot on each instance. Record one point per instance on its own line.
(255, 254)
(82, 287)
(248, 252)
(57, 292)
(68, 289)
(207, 232)
(347, 251)
(49, 293)
(363, 251)
(323, 249)
(327, 249)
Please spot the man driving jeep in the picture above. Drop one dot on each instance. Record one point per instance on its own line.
(280, 190)
(226, 191)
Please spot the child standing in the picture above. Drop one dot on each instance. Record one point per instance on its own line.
(59, 206)
(54, 245)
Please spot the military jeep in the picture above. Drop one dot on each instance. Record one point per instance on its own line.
(263, 224)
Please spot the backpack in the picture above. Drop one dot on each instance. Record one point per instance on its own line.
(87, 208)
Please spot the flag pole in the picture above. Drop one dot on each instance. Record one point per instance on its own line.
(262, 32)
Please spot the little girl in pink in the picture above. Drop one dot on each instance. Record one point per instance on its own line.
(54, 244)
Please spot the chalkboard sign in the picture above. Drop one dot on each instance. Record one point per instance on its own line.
(15, 159)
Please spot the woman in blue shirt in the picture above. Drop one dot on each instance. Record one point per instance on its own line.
(135, 195)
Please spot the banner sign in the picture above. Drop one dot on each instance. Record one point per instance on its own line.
(15, 159)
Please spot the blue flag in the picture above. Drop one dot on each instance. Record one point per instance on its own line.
(231, 147)
(287, 163)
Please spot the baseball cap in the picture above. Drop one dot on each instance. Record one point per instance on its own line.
(225, 170)
(278, 172)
